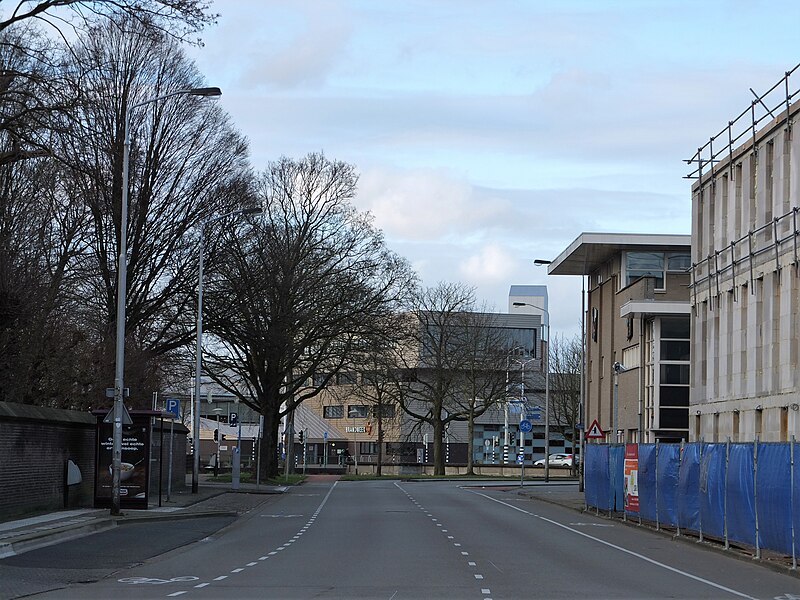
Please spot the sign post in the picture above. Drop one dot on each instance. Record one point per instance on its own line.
(174, 407)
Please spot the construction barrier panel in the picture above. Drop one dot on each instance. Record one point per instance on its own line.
(743, 493)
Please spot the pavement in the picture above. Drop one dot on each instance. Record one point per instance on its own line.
(212, 499)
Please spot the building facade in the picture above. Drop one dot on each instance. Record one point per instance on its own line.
(745, 293)
(351, 423)
(637, 339)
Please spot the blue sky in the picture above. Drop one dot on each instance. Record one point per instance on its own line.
(488, 134)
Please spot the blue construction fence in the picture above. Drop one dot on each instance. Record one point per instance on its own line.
(744, 493)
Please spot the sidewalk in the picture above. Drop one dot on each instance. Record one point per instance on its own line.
(564, 494)
(212, 499)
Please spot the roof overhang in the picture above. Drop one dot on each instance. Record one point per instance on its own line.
(638, 308)
(590, 250)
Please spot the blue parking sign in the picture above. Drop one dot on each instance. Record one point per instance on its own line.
(174, 407)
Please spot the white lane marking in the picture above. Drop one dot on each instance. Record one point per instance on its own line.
(202, 585)
(273, 553)
(175, 594)
(450, 537)
(263, 557)
(478, 576)
(239, 570)
(486, 591)
(625, 550)
(465, 554)
(220, 578)
(457, 545)
(252, 564)
(472, 564)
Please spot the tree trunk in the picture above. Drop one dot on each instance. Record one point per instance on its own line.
(380, 443)
(438, 447)
(269, 444)
(470, 442)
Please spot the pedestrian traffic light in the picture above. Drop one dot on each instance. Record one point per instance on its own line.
(301, 436)
(216, 435)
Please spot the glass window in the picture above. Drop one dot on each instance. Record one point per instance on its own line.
(386, 411)
(645, 264)
(674, 395)
(367, 448)
(357, 411)
(334, 411)
(346, 378)
(319, 379)
(673, 418)
(675, 374)
(679, 262)
(675, 328)
(674, 350)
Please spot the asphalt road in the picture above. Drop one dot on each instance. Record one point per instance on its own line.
(416, 540)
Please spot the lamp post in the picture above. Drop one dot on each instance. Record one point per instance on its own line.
(198, 357)
(122, 277)
(546, 362)
(521, 451)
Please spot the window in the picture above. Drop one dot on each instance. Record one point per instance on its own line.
(645, 264)
(385, 411)
(346, 378)
(319, 379)
(655, 264)
(334, 411)
(367, 447)
(357, 411)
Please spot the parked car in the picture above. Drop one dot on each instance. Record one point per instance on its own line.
(556, 460)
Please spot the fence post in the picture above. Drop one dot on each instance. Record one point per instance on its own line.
(725, 492)
(658, 522)
(700, 490)
(791, 492)
(755, 493)
(680, 462)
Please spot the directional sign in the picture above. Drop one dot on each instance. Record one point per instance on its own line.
(594, 432)
(525, 426)
(174, 407)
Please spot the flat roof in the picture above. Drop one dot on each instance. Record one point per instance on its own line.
(590, 250)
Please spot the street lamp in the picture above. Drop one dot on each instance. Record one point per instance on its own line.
(198, 357)
(618, 368)
(546, 361)
(122, 276)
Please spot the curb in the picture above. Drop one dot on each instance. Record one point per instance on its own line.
(34, 541)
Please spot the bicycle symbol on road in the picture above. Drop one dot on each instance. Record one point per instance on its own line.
(156, 581)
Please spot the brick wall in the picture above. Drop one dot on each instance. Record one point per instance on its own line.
(35, 444)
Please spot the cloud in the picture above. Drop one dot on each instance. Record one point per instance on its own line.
(490, 265)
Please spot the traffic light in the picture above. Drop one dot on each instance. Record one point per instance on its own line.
(216, 435)
(301, 436)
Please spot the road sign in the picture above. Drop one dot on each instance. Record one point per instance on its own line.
(233, 418)
(525, 426)
(174, 407)
(325, 436)
(594, 432)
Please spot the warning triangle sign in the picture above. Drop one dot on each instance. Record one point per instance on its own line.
(594, 431)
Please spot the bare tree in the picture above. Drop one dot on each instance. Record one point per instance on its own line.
(187, 163)
(180, 18)
(459, 361)
(38, 89)
(565, 386)
(301, 293)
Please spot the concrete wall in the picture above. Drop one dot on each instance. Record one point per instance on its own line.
(746, 302)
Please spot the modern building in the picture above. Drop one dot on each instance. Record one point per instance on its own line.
(636, 332)
(352, 428)
(745, 293)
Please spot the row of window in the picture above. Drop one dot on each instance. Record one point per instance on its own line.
(358, 411)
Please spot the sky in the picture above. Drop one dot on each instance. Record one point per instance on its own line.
(490, 133)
